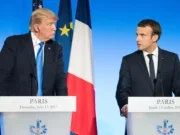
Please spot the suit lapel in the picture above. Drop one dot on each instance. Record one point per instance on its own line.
(48, 62)
(160, 60)
(48, 53)
(159, 74)
(143, 67)
(30, 50)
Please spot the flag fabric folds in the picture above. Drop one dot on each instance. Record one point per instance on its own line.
(64, 30)
(80, 73)
(37, 4)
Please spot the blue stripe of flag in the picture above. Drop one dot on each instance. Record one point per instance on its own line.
(83, 12)
(65, 18)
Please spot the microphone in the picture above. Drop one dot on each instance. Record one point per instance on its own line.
(161, 83)
(161, 80)
(154, 82)
(31, 76)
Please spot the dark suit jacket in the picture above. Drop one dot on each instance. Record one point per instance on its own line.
(134, 78)
(18, 75)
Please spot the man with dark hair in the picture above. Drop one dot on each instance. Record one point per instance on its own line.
(150, 71)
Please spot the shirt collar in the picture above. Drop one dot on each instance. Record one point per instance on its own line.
(155, 52)
(35, 40)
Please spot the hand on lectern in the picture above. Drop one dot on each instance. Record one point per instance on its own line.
(125, 110)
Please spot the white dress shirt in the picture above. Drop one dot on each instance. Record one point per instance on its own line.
(155, 60)
(36, 45)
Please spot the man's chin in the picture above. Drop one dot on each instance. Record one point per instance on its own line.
(52, 37)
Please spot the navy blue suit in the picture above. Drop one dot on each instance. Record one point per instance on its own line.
(18, 75)
(134, 78)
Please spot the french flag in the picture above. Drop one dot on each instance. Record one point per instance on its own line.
(80, 73)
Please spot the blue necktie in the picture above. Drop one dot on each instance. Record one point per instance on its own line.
(39, 68)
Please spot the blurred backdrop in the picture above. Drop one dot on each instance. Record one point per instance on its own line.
(114, 32)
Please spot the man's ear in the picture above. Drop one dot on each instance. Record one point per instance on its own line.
(36, 28)
(155, 37)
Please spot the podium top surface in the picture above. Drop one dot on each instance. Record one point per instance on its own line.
(153, 104)
(38, 104)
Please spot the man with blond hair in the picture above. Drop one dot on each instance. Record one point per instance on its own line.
(31, 64)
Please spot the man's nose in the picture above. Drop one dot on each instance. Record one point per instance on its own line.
(54, 27)
(137, 38)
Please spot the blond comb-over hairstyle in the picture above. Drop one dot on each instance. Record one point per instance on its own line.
(39, 14)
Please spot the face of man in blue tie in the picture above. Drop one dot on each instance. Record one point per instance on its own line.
(146, 40)
(46, 29)
(43, 24)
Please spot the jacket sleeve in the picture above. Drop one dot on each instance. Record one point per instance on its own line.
(176, 77)
(60, 82)
(7, 60)
(124, 84)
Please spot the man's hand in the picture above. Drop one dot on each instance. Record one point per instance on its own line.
(125, 110)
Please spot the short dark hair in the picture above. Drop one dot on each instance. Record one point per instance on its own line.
(156, 28)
